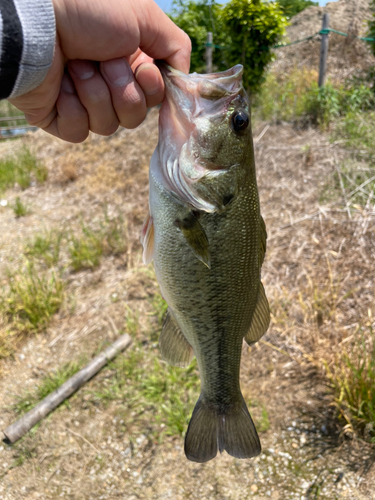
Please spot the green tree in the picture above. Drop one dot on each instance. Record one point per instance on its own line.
(197, 18)
(293, 7)
(253, 27)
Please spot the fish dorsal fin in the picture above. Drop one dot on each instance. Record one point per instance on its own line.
(147, 239)
(261, 318)
(174, 347)
(195, 237)
(263, 241)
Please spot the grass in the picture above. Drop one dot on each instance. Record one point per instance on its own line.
(296, 97)
(86, 250)
(165, 394)
(8, 110)
(19, 208)
(352, 380)
(49, 383)
(21, 169)
(31, 297)
(45, 247)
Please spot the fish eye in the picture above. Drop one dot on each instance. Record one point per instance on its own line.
(240, 121)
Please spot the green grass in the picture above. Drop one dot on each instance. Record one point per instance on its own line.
(86, 250)
(49, 383)
(20, 209)
(164, 395)
(31, 297)
(21, 169)
(296, 97)
(352, 380)
(45, 247)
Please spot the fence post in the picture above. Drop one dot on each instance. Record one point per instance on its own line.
(209, 49)
(323, 52)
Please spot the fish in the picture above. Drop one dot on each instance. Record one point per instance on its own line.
(207, 239)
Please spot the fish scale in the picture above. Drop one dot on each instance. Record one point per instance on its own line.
(207, 242)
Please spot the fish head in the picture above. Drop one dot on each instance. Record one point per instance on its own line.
(207, 114)
(204, 127)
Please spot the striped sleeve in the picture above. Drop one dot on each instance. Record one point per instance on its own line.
(27, 40)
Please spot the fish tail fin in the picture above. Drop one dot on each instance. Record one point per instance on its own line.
(212, 429)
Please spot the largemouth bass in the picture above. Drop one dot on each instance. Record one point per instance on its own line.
(207, 239)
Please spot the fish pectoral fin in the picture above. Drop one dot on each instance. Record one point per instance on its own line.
(174, 347)
(261, 318)
(195, 237)
(212, 429)
(147, 239)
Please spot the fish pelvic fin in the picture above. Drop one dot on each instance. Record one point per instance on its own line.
(147, 239)
(212, 429)
(174, 347)
(261, 318)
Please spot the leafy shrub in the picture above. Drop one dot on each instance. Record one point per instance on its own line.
(253, 28)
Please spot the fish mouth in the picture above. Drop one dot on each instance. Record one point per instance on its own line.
(188, 97)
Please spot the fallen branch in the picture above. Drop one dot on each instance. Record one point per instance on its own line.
(17, 430)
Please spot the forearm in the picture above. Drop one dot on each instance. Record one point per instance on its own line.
(27, 38)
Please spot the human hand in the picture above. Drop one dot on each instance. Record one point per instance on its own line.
(123, 36)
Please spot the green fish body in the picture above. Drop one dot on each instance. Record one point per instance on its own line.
(208, 240)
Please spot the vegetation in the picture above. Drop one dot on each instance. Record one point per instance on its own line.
(45, 247)
(352, 379)
(371, 23)
(197, 18)
(31, 297)
(296, 97)
(49, 383)
(21, 169)
(20, 209)
(293, 7)
(244, 31)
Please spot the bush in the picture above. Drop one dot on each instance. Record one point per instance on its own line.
(253, 27)
(296, 97)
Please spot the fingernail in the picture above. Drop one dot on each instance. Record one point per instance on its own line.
(82, 69)
(67, 85)
(150, 88)
(117, 71)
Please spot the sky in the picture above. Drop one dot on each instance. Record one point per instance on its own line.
(166, 4)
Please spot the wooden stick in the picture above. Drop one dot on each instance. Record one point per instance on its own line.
(15, 431)
(209, 49)
(323, 52)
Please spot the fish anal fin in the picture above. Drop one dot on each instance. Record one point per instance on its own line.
(261, 318)
(147, 239)
(212, 429)
(195, 237)
(174, 347)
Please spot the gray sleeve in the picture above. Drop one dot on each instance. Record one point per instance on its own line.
(27, 41)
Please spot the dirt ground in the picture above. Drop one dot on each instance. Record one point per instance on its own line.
(347, 57)
(82, 451)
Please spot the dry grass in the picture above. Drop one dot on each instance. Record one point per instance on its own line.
(318, 276)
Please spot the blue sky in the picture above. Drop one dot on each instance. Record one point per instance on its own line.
(166, 4)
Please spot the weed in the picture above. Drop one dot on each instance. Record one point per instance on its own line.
(131, 322)
(49, 383)
(46, 247)
(115, 234)
(356, 131)
(352, 379)
(165, 394)
(21, 169)
(86, 251)
(19, 209)
(31, 298)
